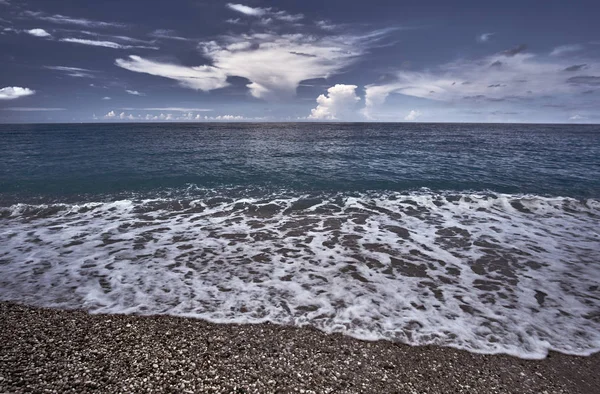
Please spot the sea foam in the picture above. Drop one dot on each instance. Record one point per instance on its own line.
(489, 273)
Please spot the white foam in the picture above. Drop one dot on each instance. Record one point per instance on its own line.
(486, 273)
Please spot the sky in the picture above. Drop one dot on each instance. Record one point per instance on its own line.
(280, 61)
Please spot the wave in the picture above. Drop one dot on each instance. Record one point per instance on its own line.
(485, 272)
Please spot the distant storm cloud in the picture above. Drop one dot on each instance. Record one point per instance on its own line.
(15, 92)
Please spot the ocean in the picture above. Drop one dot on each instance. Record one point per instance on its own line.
(475, 236)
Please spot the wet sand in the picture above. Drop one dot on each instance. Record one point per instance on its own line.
(49, 350)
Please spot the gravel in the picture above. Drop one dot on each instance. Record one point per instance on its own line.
(58, 351)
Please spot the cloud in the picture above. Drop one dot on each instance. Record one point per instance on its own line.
(200, 78)
(170, 109)
(106, 44)
(32, 109)
(66, 20)
(38, 33)
(106, 98)
(576, 67)
(589, 80)
(110, 115)
(340, 100)
(247, 10)
(134, 92)
(515, 51)
(563, 49)
(577, 117)
(268, 13)
(485, 37)
(14, 92)
(412, 115)
(491, 79)
(75, 72)
(271, 62)
(168, 35)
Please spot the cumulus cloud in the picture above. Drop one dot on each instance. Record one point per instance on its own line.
(563, 49)
(412, 115)
(340, 100)
(106, 44)
(110, 115)
(275, 64)
(14, 92)
(38, 32)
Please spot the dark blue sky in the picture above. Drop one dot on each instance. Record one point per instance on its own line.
(194, 60)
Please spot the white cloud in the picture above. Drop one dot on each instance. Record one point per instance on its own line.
(412, 115)
(275, 64)
(75, 72)
(577, 117)
(106, 44)
(171, 109)
(110, 115)
(66, 20)
(106, 98)
(134, 92)
(340, 100)
(510, 76)
(247, 10)
(14, 92)
(38, 32)
(563, 49)
(168, 35)
(484, 37)
(200, 78)
(268, 14)
(32, 109)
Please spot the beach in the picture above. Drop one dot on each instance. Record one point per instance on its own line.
(52, 350)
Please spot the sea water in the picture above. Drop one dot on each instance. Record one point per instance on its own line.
(479, 237)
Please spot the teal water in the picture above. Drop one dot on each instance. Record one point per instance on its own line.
(480, 237)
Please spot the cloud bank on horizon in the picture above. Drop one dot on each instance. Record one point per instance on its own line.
(265, 61)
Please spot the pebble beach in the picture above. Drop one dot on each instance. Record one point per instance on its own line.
(60, 351)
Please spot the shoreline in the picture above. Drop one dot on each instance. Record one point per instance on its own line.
(52, 350)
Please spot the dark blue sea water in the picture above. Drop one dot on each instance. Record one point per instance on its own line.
(83, 161)
(482, 237)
